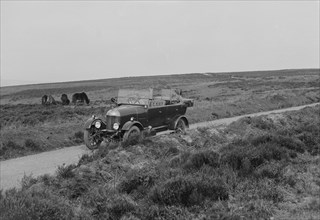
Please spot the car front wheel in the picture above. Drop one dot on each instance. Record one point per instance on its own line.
(91, 139)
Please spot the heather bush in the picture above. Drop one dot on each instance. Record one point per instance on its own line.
(271, 170)
(106, 203)
(77, 137)
(103, 151)
(138, 179)
(47, 179)
(199, 159)
(32, 145)
(261, 123)
(246, 157)
(311, 141)
(188, 190)
(118, 205)
(12, 145)
(75, 187)
(34, 204)
(152, 211)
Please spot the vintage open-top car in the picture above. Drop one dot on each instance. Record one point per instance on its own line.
(138, 112)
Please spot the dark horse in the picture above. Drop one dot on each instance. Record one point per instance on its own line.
(44, 100)
(80, 98)
(48, 100)
(64, 99)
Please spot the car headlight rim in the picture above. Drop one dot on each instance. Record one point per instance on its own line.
(115, 126)
(97, 124)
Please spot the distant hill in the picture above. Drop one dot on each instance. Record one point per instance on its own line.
(12, 82)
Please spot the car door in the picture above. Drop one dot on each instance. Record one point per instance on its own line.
(156, 116)
(174, 111)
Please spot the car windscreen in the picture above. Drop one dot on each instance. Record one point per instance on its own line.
(169, 94)
(135, 96)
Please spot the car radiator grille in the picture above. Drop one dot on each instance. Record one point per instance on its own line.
(110, 121)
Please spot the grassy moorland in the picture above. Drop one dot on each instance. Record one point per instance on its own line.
(27, 127)
(256, 168)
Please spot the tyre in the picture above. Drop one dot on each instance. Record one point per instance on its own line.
(91, 139)
(180, 126)
(133, 134)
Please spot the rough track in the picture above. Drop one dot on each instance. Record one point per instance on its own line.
(12, 171)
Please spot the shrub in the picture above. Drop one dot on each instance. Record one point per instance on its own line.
(290, 143)
(32, 145)
(47, 179)
(311, 141)
(34, 204)
(141, 179)
(172, 151)
(266, 189)
(269, 170)
(189, 190)
(197, 160)
(119, 205)
(246, 157)
(103, 151)
(148, 211)
(108, 204)
(76, 187)
(78, 137)
(12, 145)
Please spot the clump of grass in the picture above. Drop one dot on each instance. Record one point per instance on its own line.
(85, 158)
(28, 181)
(65, 172)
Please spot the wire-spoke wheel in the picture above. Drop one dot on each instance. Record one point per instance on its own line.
(92, 139)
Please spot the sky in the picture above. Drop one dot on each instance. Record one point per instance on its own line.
(56, 41)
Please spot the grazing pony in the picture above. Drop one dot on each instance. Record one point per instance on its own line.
(80, 98)
(64, 99)
(51, 100)
(48, 100)
(44, 100)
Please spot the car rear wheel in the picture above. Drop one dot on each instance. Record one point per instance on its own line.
(180, 126)
(132, 134)
(91, 139)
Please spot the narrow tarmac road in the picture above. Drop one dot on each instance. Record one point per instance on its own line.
(13, 170)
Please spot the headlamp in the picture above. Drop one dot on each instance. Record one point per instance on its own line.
(115, 126)
(97, 124)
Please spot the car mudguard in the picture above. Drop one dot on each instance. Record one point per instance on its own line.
(91, 121)
(129, 124)
(175, 121)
